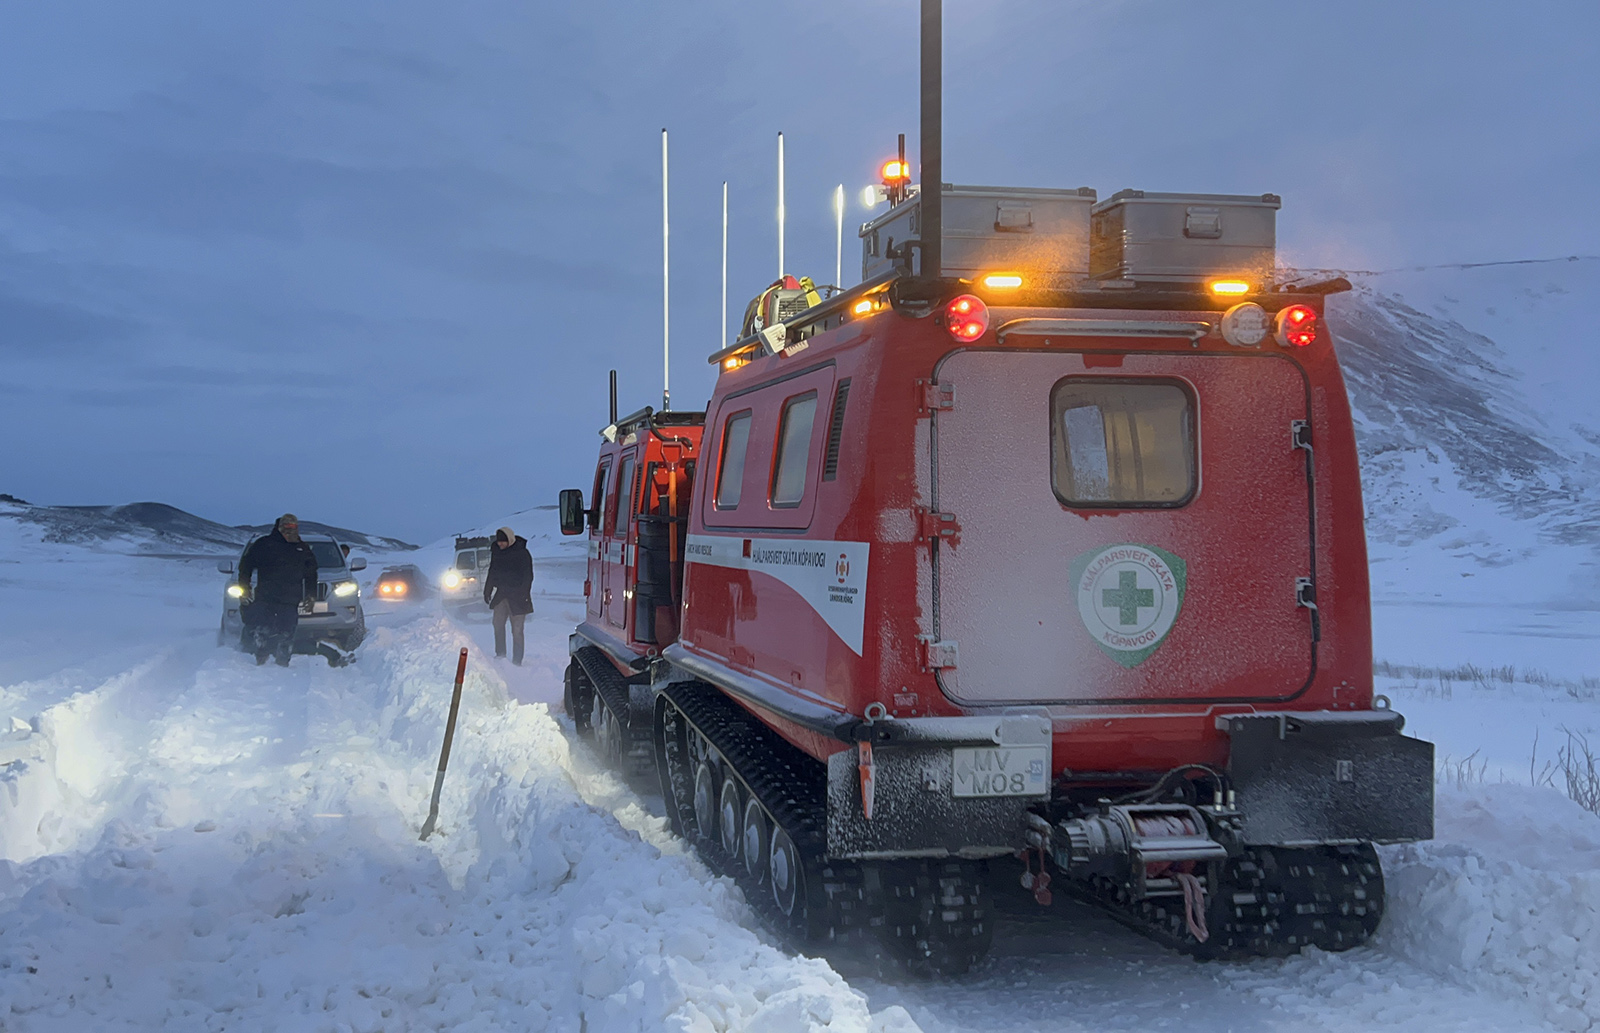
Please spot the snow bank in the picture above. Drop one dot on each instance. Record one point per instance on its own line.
(1507, 898)
(250, 862)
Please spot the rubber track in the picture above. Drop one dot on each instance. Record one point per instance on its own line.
(928, 916)
(613, 688)
(791, 788)
(1270, 902)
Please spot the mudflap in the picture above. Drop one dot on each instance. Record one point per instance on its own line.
(915, 809)
(1306, 779)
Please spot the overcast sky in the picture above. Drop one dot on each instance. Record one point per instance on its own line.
(370, 261)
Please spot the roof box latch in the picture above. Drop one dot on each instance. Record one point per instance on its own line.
(1010, 217)
(1202, 223)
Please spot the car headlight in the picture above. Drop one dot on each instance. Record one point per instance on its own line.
(451, 579)
(345, 588)
(235, 591)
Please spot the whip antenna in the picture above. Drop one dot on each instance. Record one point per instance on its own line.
(838, 236)
(724, 338)
(666, 289)
(781, 213)
(932, 142)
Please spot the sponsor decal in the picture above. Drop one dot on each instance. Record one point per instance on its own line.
(1129, 597)
(830, 576)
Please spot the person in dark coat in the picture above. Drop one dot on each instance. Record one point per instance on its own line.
(508, 590)
(285, 571)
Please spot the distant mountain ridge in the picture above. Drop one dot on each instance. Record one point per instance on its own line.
(155, 527)
(1469, 368)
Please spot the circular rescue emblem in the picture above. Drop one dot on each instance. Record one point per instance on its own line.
(1128, 596)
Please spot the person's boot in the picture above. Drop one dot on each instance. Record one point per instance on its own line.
(261, 659)
(281, 659)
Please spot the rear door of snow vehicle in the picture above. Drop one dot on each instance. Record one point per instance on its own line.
(595, 579)
(614, 544)
(1131, 526)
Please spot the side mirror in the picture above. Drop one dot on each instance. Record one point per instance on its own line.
(224, 566)
(574, 518)
(359, 563)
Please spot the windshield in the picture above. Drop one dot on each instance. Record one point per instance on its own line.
(327, 554)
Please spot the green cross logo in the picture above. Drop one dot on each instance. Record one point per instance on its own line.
(1127, 597)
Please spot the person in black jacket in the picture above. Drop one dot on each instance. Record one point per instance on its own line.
(285, 570)
(508, 590)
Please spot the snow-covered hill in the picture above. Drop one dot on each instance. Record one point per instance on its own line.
(1480, 450)
(155, 528)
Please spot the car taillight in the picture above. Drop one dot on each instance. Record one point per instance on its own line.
(966, 317)
(1296, 326)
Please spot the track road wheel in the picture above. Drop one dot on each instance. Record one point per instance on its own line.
(705, 803)
(785, 873)
(753, 840)
(730, 817)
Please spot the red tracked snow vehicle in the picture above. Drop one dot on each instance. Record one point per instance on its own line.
(1065, 558)
(1045, 541)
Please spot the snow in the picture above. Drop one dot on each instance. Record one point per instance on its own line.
(193, 842)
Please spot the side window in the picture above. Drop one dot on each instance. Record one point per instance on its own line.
(794, 450)
(730, 468)
(1122, 443)
(598, 499)
(619, 511)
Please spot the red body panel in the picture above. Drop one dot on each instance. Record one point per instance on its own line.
(784, 598)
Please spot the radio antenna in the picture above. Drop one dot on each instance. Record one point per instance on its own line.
(666, 289)
(838, 236)
(781, 215)
(932, 142)
(724, 339)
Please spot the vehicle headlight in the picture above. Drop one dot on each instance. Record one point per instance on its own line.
(451, 579)
(235, 591)
(345, 588)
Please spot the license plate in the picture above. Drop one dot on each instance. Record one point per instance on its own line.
(1001, 770)
(319, 607)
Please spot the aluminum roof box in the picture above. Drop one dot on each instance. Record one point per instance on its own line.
(1150, 237)
(1039, 232)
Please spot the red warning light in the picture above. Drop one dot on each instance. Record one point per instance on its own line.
(966, 317)
(1296, 326)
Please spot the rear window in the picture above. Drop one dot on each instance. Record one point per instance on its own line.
(1122, 443)
(619, 511)
(794, 450)
(730, 470)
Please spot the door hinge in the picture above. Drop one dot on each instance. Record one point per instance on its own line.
(1300, 434)
(938, 656)
(934, 396)
(1305, 594)
(937, 527)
